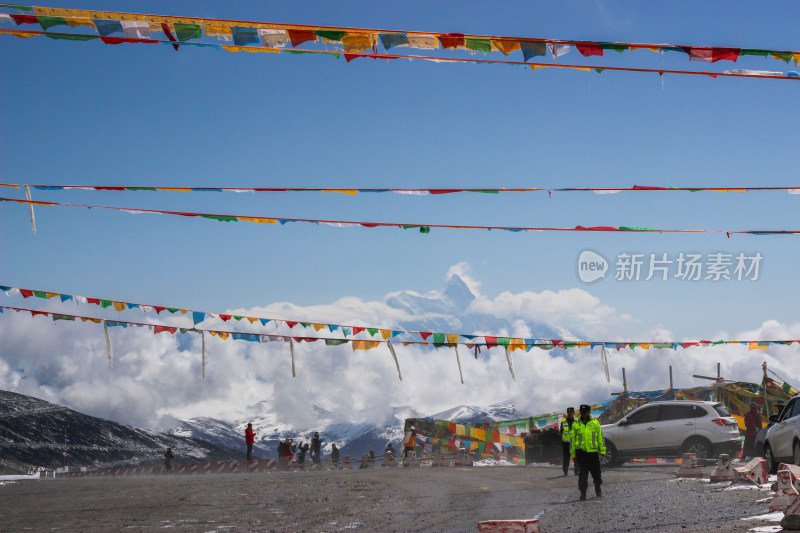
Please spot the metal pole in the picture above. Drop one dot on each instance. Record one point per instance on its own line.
(767, 411)
(718, 365)
(624, 382)
(670, 376)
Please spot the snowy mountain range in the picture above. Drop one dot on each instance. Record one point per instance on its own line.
(35, 432)
(353, 438)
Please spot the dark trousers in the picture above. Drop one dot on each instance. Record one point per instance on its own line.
(588, 462)
(249, 450)
(565, 446)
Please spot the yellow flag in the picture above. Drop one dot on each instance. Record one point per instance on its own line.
(755, 346)
(583, 344)
(318, 327)
(251, 319)
(259, 220)
(460, 430)
(505, 46)
(22, 34)
(357, 42)
(452, 339)
(364, 345)
(173, 189)
(119, 306)
(250, 49)
(385, 333)
(351, 192)
(220, 31)
(51, 294)
(646, 346)
(516, 344)
(87, 319)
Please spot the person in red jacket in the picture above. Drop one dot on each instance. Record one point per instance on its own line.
(752, 424)
(249, 439)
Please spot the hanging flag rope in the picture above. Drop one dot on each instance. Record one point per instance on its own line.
(474, 342)
(353, 191)
(138, 27)
(423, 228)
(737, 73)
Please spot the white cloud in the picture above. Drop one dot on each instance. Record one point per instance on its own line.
(160, 375)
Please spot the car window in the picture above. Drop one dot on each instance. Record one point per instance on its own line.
(643, 416)
(676, 412)
(699, 412)
(721, 411)
(791, 406)
(796, 410)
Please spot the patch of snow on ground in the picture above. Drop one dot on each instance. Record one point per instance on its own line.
(777, 516)
(17, 478)
(766, 529)
(493, 462)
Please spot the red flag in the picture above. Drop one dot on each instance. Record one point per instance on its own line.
(588, 50)
(301, 36)
(161, 329)
(452, 40)
(165, 27)
(27, 293)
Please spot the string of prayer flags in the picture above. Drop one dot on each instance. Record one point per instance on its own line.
(353, 41)
(423, 228)
(407, 192)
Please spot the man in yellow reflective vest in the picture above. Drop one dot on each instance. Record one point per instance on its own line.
(566, 440)
(587, 445)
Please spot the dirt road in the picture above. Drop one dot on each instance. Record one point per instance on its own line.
(635, 498)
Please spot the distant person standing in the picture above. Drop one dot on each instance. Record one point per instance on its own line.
(529, 440)
(285, 454)
(566, 440)
(249, 439)
(389, 448)
(335, 455)
(168, 457)
(316, 449)
(302, 451)
(587, 445)
(409, 441)
(752, 424)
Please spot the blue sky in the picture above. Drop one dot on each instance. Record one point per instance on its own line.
(88, 113)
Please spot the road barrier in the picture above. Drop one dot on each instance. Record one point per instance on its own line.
(755, 472)
(724, 470)
(787, 488)
(690, 466)
(509, 526)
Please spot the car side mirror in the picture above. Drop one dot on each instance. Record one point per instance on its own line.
(773, 418)
(623, 422)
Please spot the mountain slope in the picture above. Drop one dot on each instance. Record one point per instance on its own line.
(34, 431)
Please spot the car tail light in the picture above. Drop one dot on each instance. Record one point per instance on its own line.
(724, 422)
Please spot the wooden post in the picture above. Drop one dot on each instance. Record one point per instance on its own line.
(624, 382)
(670, 376)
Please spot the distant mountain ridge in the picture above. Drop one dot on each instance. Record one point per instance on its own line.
(32, 432)
(352, 438)
(36, 432)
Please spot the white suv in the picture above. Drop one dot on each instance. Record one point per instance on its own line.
(671, 428)
(782, 442)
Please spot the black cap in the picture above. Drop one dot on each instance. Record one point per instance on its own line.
(570, 409)
(585, 408)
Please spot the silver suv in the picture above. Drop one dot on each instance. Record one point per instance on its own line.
(671, 428)
(782, 442)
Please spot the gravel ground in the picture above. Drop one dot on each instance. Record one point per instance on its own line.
(635, 498)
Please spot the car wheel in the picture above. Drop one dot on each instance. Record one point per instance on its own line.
(772, 466)
(700, 448)
(610, 458)
(796, 454)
